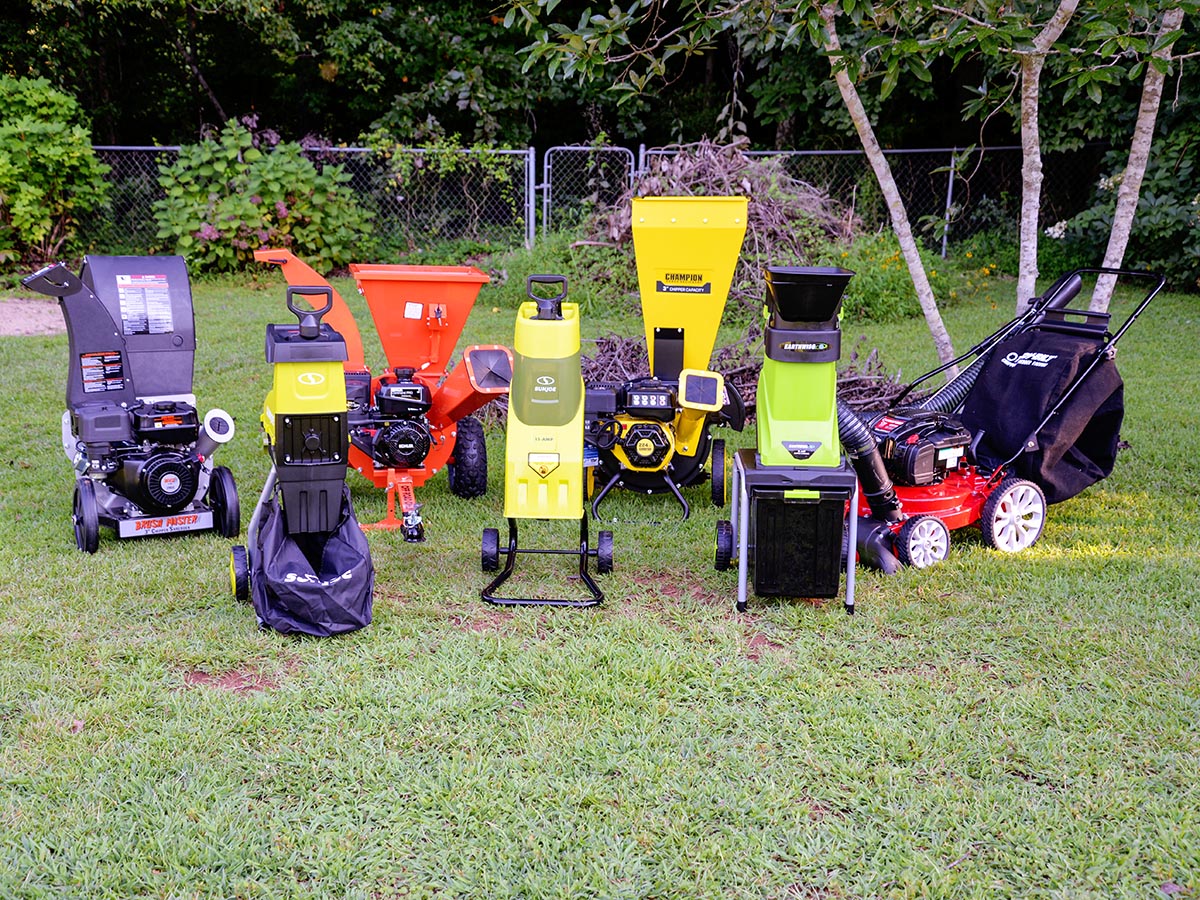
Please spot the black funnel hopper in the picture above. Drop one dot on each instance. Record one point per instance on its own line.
(805, 296)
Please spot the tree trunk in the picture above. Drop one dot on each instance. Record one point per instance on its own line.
(1032, 63)
(184, 45)
(891, 194)
(1031, 182)
(1139, 155)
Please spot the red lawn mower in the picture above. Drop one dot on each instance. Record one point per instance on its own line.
(413, 420)
(1033, 420)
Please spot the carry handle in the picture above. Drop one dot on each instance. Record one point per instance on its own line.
(548, 307)
(310, 319)
(55, 280)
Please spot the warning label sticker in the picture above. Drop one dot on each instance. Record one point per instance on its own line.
(101, 371)
(888, 424)
(145, 304)
(680, 282)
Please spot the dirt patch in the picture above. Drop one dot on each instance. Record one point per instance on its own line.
(484, 622)
(24, 316)
(673, 587)
(236, 681)
(760, 644)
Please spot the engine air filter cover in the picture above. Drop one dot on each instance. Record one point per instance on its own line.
(168, 483)
(646, 445)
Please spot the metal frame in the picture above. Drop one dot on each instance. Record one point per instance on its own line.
(740, 520)
(597, 596)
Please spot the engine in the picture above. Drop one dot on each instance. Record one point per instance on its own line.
(159, 480)
(634, 418)
(146, 453)
(919, 447)
(399, 435)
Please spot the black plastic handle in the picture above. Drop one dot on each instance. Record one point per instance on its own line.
(548, 307)
(310, 292)
(310, 318)
(55, 280)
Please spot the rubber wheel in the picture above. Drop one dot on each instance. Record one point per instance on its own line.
(923, 541)
(719, 466)
(239, 574)
(223, 498)
(85, 516)
(724, 553)
(467, 470)
(604, 552)
(1013, 516)
(490, 556)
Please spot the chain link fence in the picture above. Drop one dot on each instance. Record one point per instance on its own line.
(579, 181)
(424, 197)
(950, 194)
(418, 197)
(127, 226)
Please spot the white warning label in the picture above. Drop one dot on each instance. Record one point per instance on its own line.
(145, 304)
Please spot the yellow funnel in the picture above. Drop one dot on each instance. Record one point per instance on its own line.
(686, 249)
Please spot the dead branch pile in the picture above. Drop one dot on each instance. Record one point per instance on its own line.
(616, 359)
(789, 220)
(863, 382)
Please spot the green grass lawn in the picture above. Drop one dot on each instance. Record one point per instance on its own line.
(996, 726)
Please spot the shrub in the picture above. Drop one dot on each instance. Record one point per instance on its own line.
(225, 198)
(49, 174)
(881, 289)
(1164, 237)
(1000, 247)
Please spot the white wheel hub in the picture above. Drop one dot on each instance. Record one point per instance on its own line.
(928, 543)
(1018, 518)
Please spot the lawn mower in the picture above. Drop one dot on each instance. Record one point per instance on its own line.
(791, 495)
(412, 421)
(1033, 420)
(306, 564)
(652, 433)
(142, 457)
(543, 460)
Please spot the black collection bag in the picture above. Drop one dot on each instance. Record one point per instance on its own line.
(317, 584)
(1024, 377)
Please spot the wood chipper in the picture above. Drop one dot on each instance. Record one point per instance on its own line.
(306, 564)
(652, 433)
(412, 421)
(142, 456)
(543, 460)
(791, 495)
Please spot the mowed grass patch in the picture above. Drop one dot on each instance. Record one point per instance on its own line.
(994, 726)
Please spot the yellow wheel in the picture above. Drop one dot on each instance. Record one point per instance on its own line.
(239, 574)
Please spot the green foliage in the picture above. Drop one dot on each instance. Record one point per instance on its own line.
(999, 248)
(881, 289)
(447, 191)
(430, 70)
(226, 198)
(602, 280)
(1165, 234)
(49, 174)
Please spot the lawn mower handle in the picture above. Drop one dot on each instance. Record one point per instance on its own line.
(1057, 296)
